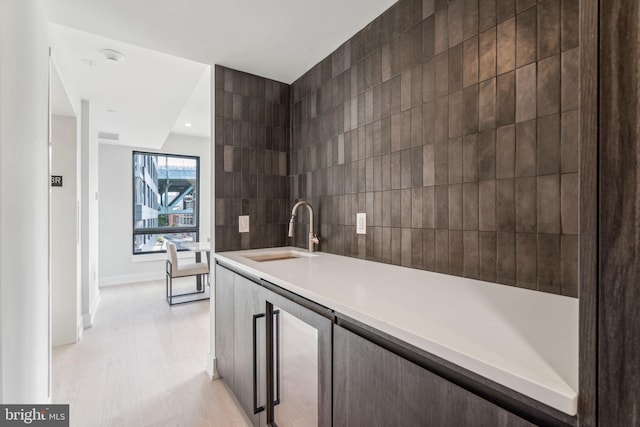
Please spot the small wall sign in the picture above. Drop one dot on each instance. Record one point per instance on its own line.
(56, 180)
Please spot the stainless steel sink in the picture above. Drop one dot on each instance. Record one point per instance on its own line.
(276, 256)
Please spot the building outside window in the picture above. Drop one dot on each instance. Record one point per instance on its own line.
(165, 201)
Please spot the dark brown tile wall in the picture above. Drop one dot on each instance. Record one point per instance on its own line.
(453, 125)
(252, 140)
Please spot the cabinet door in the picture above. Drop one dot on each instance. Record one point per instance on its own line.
(300, 378)
(224, 334)
(374, 387)
(249, 347)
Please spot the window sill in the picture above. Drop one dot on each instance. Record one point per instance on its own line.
(160, 256)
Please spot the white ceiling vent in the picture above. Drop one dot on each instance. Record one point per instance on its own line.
(109, 136)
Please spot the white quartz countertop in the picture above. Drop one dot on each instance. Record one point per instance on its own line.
(522, 339)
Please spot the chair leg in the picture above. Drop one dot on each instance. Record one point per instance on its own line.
(169, 289)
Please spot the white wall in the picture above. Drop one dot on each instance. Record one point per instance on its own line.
(65, 243)
(24, 203)
(117, 264)
(89, 215)
(61, 69)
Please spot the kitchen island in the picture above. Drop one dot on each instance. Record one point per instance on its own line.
(499, 338)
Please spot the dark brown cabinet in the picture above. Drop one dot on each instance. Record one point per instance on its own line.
(240, 350)
(249, 348)
(310, 366)
(224, 337)
(375, 387)
(278, 369)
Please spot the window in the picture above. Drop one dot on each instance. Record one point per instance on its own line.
(165, 201)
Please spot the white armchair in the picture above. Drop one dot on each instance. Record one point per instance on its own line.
(175, 270)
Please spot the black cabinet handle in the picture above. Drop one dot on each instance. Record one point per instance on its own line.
(276, 314)
(256, 409)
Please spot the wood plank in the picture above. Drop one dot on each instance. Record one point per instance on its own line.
(588, 220)
(365, 373)
(247, 304)
(619, 207)
(502, 396)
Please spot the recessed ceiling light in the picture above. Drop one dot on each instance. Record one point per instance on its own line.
(112, 55)
(188, 125)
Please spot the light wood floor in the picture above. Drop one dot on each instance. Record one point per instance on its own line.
(142, 364)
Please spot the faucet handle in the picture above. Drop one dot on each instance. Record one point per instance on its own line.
(314, 238)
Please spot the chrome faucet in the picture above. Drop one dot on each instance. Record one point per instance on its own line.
(313, 237)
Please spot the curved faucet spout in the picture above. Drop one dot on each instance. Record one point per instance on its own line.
(313, 237)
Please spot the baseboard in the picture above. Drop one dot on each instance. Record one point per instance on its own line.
(211, 367)
(131, 278)
(80, 329)
(87, 318)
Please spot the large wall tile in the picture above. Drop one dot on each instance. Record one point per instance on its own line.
(526, 148)
(526, 41)
(487, 257)
(470, 62)
(487, 54)
(548, 204)
(470, 158)
(452, 124)
(252, 167)
(487, 14)
(506, 99)
(526, 93)
(505, 152)
(548, 146)
(506, 45)
(471, 254)
(549, 86)
(548, 28)
(469, 19)
(506, 258)
(526, 260)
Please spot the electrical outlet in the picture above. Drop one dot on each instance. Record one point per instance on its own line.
(243, 224)
(361, 223)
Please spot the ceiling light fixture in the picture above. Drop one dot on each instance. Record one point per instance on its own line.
(112, 55)
(188, 125)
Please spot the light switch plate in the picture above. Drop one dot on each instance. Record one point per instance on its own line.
(243, 224)
(361, 223)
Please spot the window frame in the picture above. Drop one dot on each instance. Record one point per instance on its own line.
(163, 230)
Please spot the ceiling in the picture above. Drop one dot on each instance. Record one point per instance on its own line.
(164, 81)
(138, 100)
